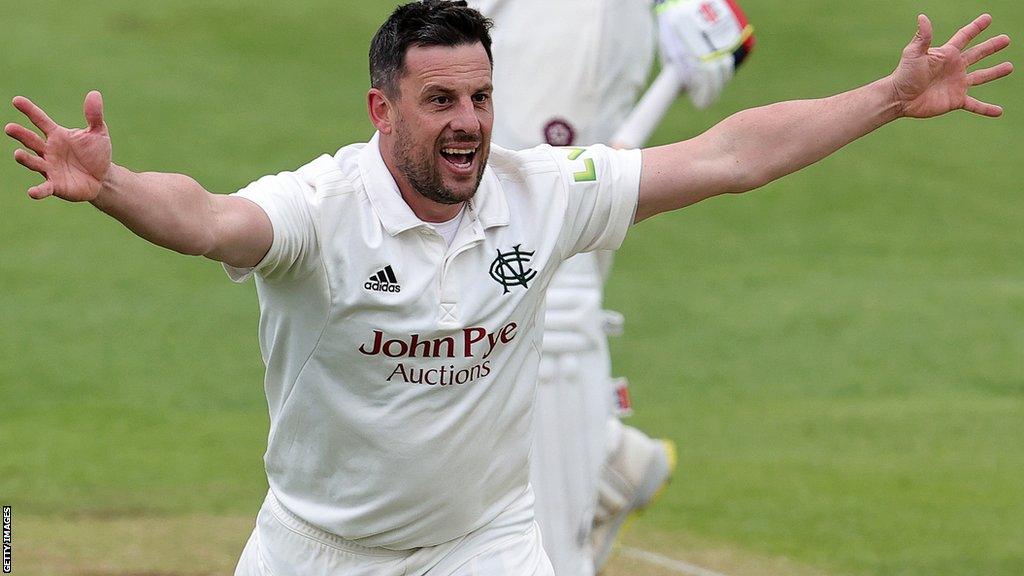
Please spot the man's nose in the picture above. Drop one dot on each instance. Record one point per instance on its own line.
(465, 118)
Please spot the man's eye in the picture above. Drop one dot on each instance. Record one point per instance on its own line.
(442, 100)
(481, 97)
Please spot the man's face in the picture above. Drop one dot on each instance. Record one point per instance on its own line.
(443, 121)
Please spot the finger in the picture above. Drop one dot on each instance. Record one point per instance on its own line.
(41, 191)
(93, 108)
(35, 114)
(979, 77)
(986, 49)
(923, 38)
(963, 36)
(982, 108)
(30, 161)
(28, 138)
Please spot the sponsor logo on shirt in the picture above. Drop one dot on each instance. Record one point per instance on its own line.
(473, 342)
(383, 281)
(511, 268)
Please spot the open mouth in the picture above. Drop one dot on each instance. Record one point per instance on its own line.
(460, 158)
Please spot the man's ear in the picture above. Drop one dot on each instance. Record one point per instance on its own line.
(382, 110)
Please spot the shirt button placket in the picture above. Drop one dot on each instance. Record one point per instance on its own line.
(449, 309)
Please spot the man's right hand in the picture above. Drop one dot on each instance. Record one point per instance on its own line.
(73, 161)
(169, 210)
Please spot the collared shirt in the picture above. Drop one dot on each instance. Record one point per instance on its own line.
(401, 371)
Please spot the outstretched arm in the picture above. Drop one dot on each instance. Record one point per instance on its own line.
(756, 146)
(170, 210)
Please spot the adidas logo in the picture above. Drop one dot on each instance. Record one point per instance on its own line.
(383, 281)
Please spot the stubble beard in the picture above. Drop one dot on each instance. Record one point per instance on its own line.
(424, 175)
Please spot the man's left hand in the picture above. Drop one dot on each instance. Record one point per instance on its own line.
(932, 81)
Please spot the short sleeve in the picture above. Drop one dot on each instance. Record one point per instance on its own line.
(284, 198)
(602, 186)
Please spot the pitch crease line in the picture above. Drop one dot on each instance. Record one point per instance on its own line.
(679, 566)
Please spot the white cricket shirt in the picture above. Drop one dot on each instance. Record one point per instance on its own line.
(401, 372)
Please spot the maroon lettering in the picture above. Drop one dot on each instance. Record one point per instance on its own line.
(508, 332)
(415, 376)
(447, 340)
(377, 337)
(415, 346)
(492, 339)
(402, 348)
(504, 336)
(426, 377)
(472, 336)
(415, 343)
(445, 376)
(400, 369)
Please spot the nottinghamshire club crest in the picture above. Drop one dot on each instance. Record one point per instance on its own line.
(512, 268)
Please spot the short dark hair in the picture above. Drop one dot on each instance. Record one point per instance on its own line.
(426, 23)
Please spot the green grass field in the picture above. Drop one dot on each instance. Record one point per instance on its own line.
(840, 356)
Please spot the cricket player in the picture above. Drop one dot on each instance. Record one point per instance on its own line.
(401, 358)
(582, 96)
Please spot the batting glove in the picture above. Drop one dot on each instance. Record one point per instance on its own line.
(705, 40)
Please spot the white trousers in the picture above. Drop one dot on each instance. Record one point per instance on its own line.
(282, 544)
(573, 403)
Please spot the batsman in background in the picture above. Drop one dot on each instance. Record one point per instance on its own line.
(589, 471)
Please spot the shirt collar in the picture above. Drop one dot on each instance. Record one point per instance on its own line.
(488, 205)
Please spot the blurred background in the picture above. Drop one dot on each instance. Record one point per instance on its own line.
(839, 356)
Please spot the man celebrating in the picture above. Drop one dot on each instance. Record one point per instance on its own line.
(400, 417)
